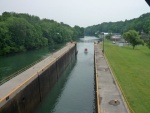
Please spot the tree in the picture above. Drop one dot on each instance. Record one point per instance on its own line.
(132, 37)
(79, 31)
(148, 41)
(108, 37)
(139, 24)
(5, 39)
(148, 44)
(21, 32)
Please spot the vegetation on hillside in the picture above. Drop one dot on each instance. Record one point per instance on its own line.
(139, 24)
(21, 32)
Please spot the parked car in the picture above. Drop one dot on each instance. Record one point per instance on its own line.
(113, 42)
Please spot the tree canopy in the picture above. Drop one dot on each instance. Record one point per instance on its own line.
(139, 24)
(21, 32)
(133, 38)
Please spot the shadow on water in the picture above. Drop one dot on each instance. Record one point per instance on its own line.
(48, 104)
(75, 90)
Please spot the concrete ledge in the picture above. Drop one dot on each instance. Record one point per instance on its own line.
(110, 97)
(23, 93)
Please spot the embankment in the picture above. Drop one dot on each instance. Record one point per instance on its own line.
(25, 91)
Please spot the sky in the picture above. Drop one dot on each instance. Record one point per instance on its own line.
(78, 12)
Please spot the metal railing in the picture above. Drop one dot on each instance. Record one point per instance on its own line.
(18, 72)
(25, 68)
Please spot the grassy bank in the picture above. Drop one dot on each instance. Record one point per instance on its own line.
(132, 69)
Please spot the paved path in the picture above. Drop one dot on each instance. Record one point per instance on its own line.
(111, 100)
(9, 89)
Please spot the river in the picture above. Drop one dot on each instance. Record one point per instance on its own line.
(75, 90)
(12, 63)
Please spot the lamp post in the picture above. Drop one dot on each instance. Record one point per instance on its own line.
(103, 41)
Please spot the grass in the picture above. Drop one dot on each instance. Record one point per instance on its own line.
(132, 69)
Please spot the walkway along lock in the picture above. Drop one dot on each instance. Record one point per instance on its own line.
(24, 92)
(96, 86)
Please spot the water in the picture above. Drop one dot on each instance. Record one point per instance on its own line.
(74, 92)
(13, 63)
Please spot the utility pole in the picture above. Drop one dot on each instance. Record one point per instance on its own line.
(103, 41)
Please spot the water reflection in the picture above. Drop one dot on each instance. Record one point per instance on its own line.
(13, 63)
(74, 92)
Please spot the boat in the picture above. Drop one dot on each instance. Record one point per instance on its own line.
(85, 50)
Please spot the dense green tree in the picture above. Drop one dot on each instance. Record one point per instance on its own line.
(5, 41)
(21, 32)
(133, 38)
(139, 24)
(148, 44)
(108, 36)
(148, 41)
(78, 32)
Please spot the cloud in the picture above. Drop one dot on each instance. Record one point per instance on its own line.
(78, 12)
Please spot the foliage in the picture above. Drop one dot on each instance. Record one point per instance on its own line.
(133, 38)
(131, 69)
(21, 32)
(139, 24)
(79, 31)
(148, 43)
(108, 37)
(147, 40)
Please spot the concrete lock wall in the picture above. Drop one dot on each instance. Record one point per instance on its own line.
(25, 101)
(26, 98)
(47, 79)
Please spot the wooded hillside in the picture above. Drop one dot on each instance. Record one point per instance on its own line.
(141, 24)
(21, 32)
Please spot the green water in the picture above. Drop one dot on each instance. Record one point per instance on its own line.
(13, 63)
(74, 92)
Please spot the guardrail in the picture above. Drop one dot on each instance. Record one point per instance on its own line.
(11, 94)
(23, 69)
(18, 72)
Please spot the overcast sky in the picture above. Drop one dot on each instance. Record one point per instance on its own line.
(78, 12)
